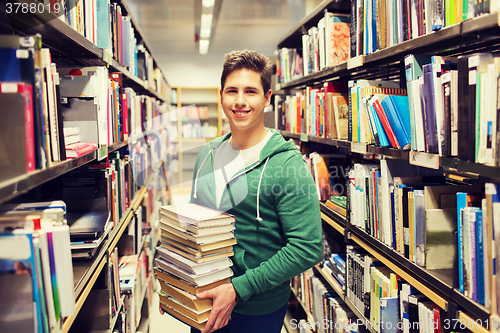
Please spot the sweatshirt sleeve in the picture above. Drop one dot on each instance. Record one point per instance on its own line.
(300, 216)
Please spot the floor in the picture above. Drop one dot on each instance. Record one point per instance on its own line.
(166, 323)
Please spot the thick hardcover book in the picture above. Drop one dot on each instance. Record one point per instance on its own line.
(194, 245)
(198, 304)
(166, 278)
(197, 280)
(191, 266)
(17, 140)
(196, 215)
(177, 314)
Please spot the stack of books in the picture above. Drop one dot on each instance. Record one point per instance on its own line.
(196, 243)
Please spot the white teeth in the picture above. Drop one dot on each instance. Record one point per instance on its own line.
(240, 113)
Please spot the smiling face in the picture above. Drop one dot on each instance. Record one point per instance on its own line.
(243, 101)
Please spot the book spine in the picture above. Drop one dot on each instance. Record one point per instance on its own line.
(480, 257)
(461, 204)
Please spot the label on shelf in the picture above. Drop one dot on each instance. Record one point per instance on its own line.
(106, 56)
(355, 62)
(358, 147)
(424, 159)
(102, 153)
(304, 137)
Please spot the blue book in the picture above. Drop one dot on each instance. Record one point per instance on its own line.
(19, 257)
(102, 23)
(397, 111)
(480, 257)
(413, 70)
(473, 253)
(389, 315)
(461, 204)
(384, 141)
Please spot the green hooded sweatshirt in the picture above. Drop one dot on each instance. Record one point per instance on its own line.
(278, 221)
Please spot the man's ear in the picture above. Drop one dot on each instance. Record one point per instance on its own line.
(268, 97)
(220, 93)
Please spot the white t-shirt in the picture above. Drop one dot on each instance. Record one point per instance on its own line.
(228, 161)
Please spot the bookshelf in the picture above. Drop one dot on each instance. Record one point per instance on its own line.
(199, 120)
(478, 34)
(69, 47)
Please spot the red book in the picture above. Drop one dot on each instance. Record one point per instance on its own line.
(299, 108)
(18, 99)
(125, 115)
(385, 123)
(78, 149)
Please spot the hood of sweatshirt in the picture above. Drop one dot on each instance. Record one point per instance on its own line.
(275, 146)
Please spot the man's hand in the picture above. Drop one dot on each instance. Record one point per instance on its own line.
(224, 300)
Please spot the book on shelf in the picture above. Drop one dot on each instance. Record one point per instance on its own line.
(17, 143)
(78, 149)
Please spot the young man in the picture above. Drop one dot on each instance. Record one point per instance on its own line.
(261, 179)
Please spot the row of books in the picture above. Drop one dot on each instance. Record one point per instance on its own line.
(372, 26)
(381, 24)
(319, 111)
(388, 303)
(329, 312)
(441, 111)
(193, 112)
(105, 24)
(388, 205)
(91, 100)
(379, 114)
(36, 267)
(324, 45)
(454, 105)
(386, 202)
(196, 243)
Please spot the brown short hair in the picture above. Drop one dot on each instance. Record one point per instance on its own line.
(249, 60)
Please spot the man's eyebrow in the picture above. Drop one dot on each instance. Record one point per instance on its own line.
(232, 87)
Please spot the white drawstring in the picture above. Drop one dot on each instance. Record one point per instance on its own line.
(258, 191)
(198, 173)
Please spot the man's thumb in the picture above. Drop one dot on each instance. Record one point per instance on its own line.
(201, 294)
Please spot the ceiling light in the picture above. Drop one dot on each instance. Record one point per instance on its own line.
(206, 25)
(207, 3)
(204, 43)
